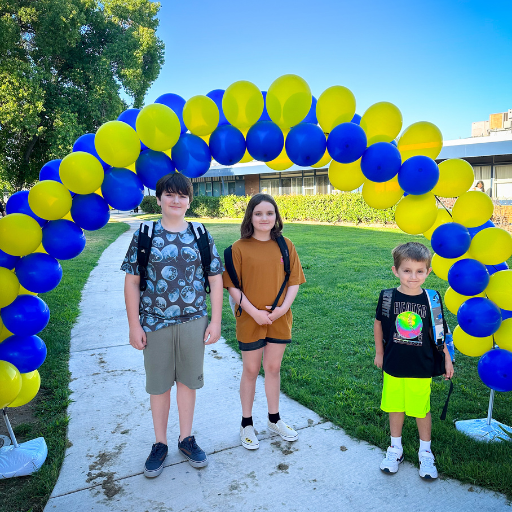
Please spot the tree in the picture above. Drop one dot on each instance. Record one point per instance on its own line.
(63, 66)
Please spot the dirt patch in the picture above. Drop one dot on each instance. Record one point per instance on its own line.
(282, 467)
(287, 449)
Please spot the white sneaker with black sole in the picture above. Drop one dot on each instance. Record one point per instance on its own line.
(287, 433)
(394, 456)
(428, 470)
(248, 438)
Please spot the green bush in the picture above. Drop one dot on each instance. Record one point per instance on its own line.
(149, 205)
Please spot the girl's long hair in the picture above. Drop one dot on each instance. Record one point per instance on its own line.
(247, 229)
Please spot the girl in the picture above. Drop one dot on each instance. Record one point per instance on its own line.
(260, 332)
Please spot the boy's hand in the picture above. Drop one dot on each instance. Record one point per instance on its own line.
(379, 360)
(262, 317)
(448, 366)
(278, 312)
(138, 337)
(213, 331)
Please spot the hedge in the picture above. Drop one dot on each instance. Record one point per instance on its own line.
(344, 207)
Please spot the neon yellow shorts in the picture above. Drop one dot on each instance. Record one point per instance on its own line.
(411, 396)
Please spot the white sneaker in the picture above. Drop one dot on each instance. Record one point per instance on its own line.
(393, 458)
(287, 433)
(248, 438)
(428, 469)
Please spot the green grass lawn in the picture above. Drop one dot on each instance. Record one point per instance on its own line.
(329, 366)
(50, 415)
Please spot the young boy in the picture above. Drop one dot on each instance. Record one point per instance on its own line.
(169, 320)
(404, 349)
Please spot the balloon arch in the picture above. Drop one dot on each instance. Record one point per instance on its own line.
(281, 127)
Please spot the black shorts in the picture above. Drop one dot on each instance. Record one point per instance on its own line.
(255, 345)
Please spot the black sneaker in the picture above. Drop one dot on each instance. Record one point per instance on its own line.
(155, 462)
(189, 449)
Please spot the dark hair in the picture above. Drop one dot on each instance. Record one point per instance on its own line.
(479, 182)
(175, 183)
(247, 229)
(411, 251)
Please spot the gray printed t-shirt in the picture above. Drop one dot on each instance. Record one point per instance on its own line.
(175, 285)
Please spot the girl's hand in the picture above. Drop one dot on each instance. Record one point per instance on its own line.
(278, 312)
(213, 331)
(379, 360)
(262, 317)
(448, 365)
(138, 337)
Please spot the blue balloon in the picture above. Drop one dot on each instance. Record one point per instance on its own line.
(18, 203)
(176, 103)
(122, 189)
(311, 116)
(474, 231)
(495, 369)
(479, 317)
(216, 95)
(381, 162)
(153, 165)
(451, 240)
(305, 144)
(346, 143)
(357, 119)
(505, 314)
(90, 211)
(227, 144)
(26, 315)
(418, 175)
(191, 156)
(39, 272)
(63, 239)
(129, 117)
(265, 141)
(85, 143)
(264, 115)
(468, 277)
(50, 171)
(492, 269)
(27, 353)
(7, 260)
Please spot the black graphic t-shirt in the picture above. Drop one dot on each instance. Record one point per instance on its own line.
(408, 346)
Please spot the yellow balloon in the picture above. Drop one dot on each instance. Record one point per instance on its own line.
(24, 291)
(503, 336)
(324, 161)
(206, 138)
(9, 287)
(499, 289)
(20, 234)
(421, 138)
(4, 333)
(50, 199)
(68, 217)
(416, 214)
(491, 246)
(117, 143)
(30, 383)
(200, 115)
(81, 172)
(40, 249)
(10, 383)
(282, 162)
(158, 128)
(454, 300)
(288, 100)
(470, 345)
(455, 177)
(382, 195)
(346, 177)
(246, 158)
(242, 104)
(382, 122)
(472, 209)
(442, 218)
(441, 265)
(130, 167)
(336, 105)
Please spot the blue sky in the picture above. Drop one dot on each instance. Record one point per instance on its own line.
(448, 62)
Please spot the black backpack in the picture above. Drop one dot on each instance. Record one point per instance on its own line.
(230, 268)
(146, 233)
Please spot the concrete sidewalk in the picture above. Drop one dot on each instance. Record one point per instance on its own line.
(110, 435)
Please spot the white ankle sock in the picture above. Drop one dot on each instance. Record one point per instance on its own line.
(396, 442)
(424, 446)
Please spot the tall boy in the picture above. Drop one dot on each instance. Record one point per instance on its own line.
(404, 349)
(169, 320)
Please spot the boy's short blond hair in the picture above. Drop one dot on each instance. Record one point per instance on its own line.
(411, 251)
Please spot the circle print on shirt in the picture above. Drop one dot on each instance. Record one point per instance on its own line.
(408, 325)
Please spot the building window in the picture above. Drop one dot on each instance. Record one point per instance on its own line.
(483, 173)
(208, 191)
(322, 184)
(503, 181)
(309, 185)
(270, 186)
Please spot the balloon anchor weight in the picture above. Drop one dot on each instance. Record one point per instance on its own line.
(21, 459)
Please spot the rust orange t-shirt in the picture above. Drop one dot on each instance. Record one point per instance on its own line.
(260, 269)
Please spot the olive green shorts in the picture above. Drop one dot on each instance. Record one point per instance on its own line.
(408, 395)
(175, 354)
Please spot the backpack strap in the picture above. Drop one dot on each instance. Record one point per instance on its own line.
(436, 311)
(145, 241)
(203, 244)
(230, 269)
(286, 262)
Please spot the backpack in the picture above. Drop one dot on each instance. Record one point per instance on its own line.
(146, 233)
(230, 268)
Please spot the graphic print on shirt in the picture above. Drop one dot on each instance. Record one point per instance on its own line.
(409, 323)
